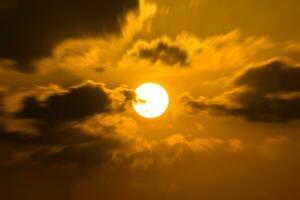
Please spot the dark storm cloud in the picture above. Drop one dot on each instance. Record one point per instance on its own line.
(29, 29)
(161, 50)
(267, 93)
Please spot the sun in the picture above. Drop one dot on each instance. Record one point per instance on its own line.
(151, 101)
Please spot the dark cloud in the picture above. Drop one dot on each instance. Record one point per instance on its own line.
(70, 126)
(161, 50)
(29, 29)
(61, 145)
(276, 76)
(268, 93)
(74, 104)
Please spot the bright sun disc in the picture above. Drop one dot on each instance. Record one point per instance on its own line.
(151, 101)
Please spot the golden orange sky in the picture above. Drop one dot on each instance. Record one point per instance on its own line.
(68, 74)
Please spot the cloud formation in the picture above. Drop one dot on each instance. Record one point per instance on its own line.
(268, 93)
(163, 49)
(30, 29)
(74, 104)
(75, 124)
(86, 126)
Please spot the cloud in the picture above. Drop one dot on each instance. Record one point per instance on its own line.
(81, 125)
(221, 53)
(268, 93)
(86, 125)
(145, 153)
(124, 127)
(275, 76)
(76, 103)
(86, 155)
(89, 142)
(51, 22)
(163, 49)
(97, 53)
(102, 139)
(233, 50)
(61, 146)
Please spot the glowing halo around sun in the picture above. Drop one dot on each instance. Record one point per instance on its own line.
(151, 101)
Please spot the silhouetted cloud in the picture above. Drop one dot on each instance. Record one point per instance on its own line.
(30, 29)
(163, 50)
(276, 76)
(80, 125)
(74, 104)
(266, 93)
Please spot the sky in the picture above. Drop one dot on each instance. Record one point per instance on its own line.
(68, 73)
